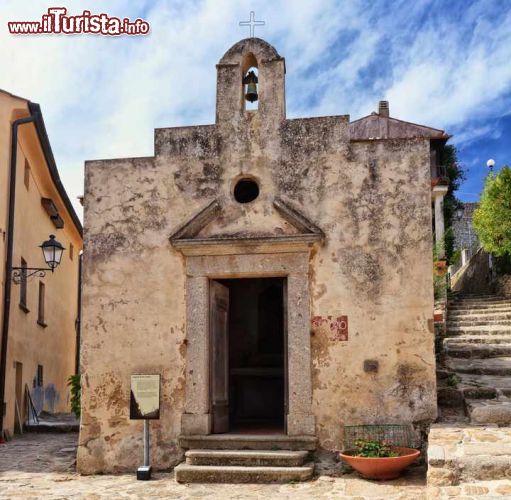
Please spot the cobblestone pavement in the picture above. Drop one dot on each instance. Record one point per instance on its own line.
(42, 466)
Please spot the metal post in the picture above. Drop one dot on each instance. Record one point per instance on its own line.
(144, 471)
(146, 442)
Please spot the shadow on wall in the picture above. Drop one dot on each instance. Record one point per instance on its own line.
(45, 397)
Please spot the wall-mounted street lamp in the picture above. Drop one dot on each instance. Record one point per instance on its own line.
(52, 252)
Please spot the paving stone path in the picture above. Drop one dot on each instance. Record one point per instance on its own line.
(41, 466)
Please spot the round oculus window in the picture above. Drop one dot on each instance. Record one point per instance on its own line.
(246, 190)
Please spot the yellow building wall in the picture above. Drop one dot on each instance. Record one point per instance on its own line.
(53, 346)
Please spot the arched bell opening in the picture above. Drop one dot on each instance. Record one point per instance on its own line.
(250, 82)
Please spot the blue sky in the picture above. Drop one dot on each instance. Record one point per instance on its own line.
(442, 63)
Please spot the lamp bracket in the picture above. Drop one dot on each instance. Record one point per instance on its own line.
(20, 274)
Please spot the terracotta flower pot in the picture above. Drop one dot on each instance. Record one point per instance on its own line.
(440, 267)
(438, 317)
(384, 467)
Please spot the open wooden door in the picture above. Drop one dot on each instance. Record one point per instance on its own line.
(219, 355)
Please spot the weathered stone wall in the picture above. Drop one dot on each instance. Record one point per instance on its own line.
(372, 201)
(503, 285)
(476, 277)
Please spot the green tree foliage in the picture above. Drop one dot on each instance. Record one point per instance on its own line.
(455, 175)
(492, 220)
(76, 390)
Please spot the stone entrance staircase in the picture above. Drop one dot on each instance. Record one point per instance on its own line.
(477, 358)
(472, 442)
(231, 458)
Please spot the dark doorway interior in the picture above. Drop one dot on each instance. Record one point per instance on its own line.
(256, 354)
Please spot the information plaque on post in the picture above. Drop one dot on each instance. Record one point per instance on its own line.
(145, 405)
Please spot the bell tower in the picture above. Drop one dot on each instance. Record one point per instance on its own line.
(251, 71)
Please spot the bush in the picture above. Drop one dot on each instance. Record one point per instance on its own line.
(76, 391)
(492, 220)
(373, 449)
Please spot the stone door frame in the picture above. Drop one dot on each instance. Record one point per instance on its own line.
(200, 269)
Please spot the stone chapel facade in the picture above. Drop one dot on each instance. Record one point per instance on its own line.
(277, 273)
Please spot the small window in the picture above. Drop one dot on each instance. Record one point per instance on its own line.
(40, 310)
(23, 286)
(246, 190)
(71, 251)
(26, 178)
(39, 380)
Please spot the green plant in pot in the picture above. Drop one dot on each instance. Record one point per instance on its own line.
(374, 449)
(379, 460)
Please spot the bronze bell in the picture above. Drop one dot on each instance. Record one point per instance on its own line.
(250, 81)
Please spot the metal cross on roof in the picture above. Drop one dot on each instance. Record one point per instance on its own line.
(252, 23)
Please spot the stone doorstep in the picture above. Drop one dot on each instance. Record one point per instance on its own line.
(248, 442)
(52, 427)
(185, 473)
(254, 458)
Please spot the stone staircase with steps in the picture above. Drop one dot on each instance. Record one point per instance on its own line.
(231, 458)
(476, 359)
(472, 441)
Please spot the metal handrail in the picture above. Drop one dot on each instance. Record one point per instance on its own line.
(30, 406)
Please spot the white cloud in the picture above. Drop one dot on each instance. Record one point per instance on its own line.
(102, 97)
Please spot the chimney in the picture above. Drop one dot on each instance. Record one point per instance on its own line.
(383, 108)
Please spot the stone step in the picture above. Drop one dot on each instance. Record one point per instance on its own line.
(479, 317)
(493, 366)
(489, 490)
(488, 308)
(481, 351)
(479, 296)
(479, 300)
(476, 296)
(476, 339)
(248, 442)
(460, 454)
(456, 397)
(453, 323)
(480, 330)
(253, 458)
(186, 473)
(490, 412)
(497, 384)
